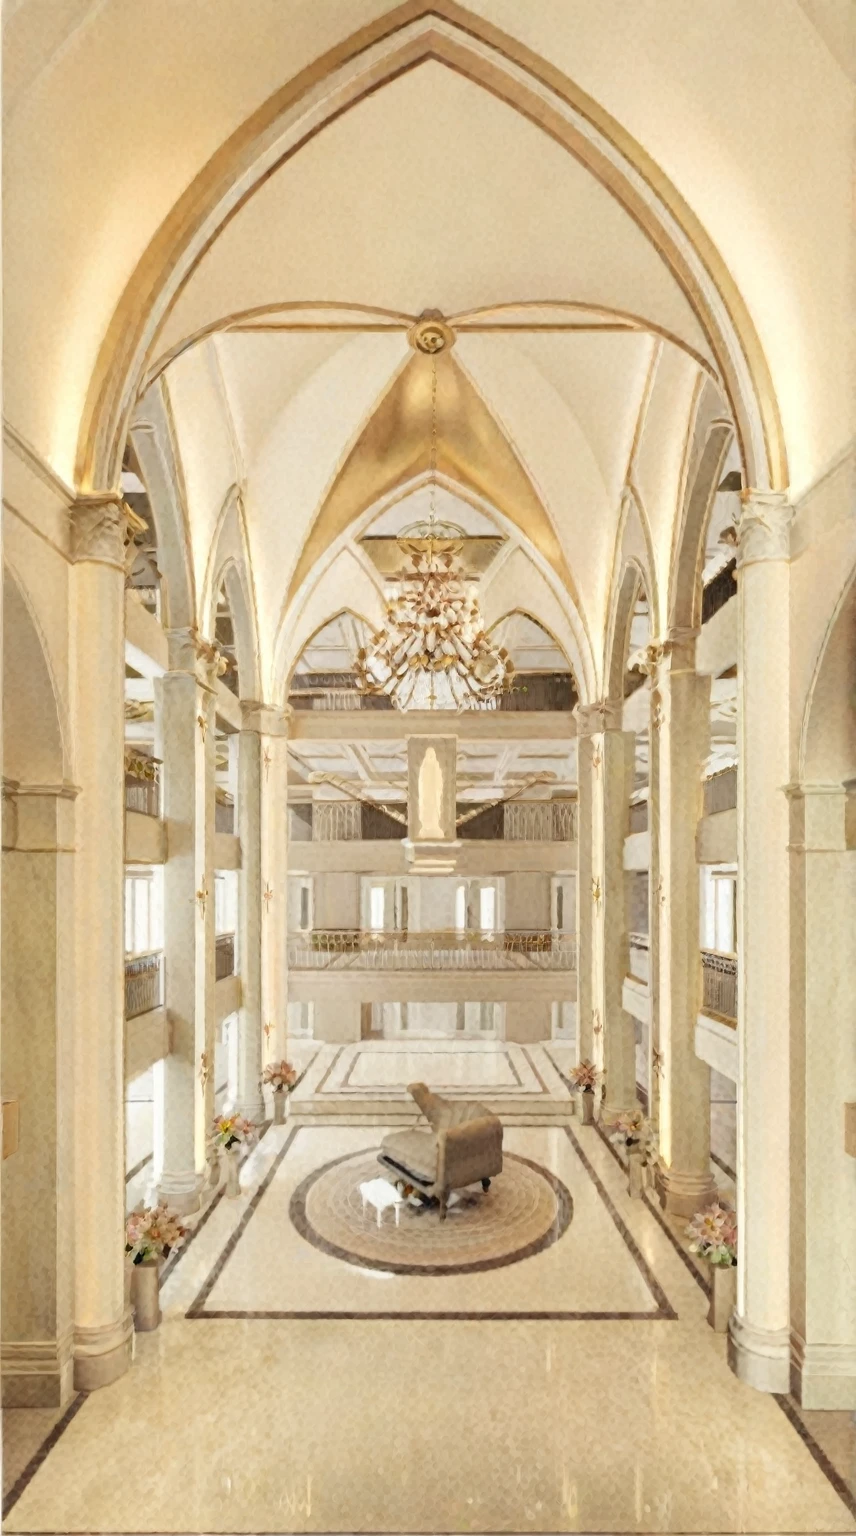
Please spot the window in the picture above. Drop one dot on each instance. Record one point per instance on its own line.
(461, 909)
(719, 909)
(225, 902)
(487, 909)
(304, 907)
(142, 913)
(377, 908)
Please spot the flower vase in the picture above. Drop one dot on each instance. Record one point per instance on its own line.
(145, 1295)
(587, 1107)
(230, 1163)
(129, 1281)
(280, 1106)
(723, 1295)
(635, 1171)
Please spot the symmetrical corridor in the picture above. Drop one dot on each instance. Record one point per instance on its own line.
(578, 1389)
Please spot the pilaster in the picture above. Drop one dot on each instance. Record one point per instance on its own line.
(759, 1342)
(680, 731)
(270, 722)
(101, 527)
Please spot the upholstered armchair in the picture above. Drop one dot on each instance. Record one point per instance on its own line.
(463, 1146)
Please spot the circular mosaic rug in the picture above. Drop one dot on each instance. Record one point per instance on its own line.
(525, 1210)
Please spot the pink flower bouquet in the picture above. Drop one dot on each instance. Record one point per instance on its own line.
(631, 1128)
(152, 1232)
(585, 1076)
(713, 1234)
(231, 1131)
(281, 1076)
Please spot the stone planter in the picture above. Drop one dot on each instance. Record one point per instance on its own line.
(230, 1157)
(635, 1171)
(723, 1295)
(586, 1103)
(280, 1106)
(145, 1295)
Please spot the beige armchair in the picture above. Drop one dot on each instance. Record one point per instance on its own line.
(463, 1146)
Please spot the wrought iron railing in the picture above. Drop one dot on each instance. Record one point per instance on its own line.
(720, 791)
(351, 948)
(224, 956)
(143, 984)
(638, 820)
(719, 984)
(142, 784)
(224, 816)
(535, 821)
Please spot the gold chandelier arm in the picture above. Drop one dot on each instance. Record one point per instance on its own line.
(532, 779)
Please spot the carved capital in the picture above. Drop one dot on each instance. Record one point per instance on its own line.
(764, 527)
(103, 528)
(190, 652)
(602, 715)
(265, 719)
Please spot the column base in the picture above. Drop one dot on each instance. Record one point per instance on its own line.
(102, 1355)
(823, 1375)
(181, 1191)
(682, 1194)
(760, 1357)
(38, 1373)
(609, 1112)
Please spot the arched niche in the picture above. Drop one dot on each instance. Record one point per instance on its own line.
(33, 747)
(828, 746)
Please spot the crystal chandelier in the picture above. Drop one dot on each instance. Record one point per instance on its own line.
(433, 652)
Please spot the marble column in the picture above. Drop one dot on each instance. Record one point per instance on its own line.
(680, 718)
(759, 1337)
(102, 1325)
(249, 1099)
(272, 724)
(185, 701)
(655, 1055)
(38, 1194)
(606, 1034)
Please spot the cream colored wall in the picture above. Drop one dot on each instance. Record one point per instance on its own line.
(528, 1021)
(527, 900)
(337, 900)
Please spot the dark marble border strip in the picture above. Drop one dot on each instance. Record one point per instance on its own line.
(41, 1455)
(435, 1317)
(320, 1087)
(666, 1310)
(177, 1255)
(816, 1452)
(720, 1163)
(208, 1285)
(346, 1084)
(654, 1209)
(138, 1167)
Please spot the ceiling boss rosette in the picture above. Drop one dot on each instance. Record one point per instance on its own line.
(433, 652)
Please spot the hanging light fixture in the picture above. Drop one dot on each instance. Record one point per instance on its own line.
(433, 652)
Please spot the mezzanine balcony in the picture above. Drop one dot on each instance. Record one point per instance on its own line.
(143, 983)
(142, 784)
(343, 949)
(719, 985)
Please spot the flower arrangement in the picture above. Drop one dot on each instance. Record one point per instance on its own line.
(231, 1131)
(631, 1128)
(585, 1076)
(713, 1234)
(281, 1076)
(152, 1232)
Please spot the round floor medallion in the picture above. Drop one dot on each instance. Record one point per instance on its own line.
(525, 1210)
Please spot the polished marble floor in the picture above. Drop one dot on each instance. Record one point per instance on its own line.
(580, 1389)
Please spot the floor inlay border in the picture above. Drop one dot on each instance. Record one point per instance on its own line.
(302, 1224)
(22, 1483)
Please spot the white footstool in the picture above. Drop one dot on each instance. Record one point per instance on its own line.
(381, 1196)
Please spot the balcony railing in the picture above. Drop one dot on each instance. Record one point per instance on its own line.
(142, 784)
(224, 816)
(530, 821)
(720, 791)
(719, 984)
(639, 816)
(224, 956)
(353, 949)
(143, 984)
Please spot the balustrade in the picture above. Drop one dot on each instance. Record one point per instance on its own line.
(640, 960)
(224, 816)
(719, 984)
(224, 956)
(143, 984)
(347, 948)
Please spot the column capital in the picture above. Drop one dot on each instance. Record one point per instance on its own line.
(191, 652)
(764, 527)
(600, 715)
(102, 528)
(265, 719)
